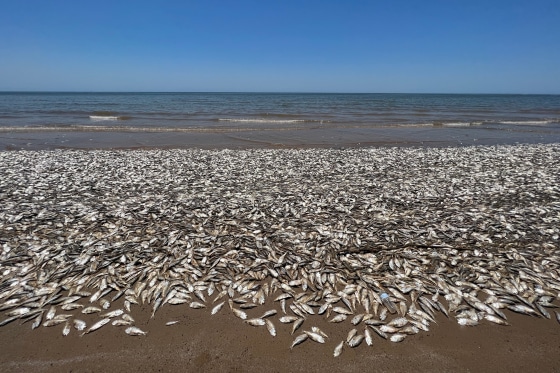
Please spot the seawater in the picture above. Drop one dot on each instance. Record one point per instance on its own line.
(45, 111)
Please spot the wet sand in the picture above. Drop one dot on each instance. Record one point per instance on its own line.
(223, 343)
(287, 138)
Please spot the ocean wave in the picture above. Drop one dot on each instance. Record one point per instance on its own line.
(263, 120)
(100, 118)
(529, 122)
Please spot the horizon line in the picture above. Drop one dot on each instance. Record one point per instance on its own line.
(278, 92)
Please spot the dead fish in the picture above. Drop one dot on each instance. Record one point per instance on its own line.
(315, 337)
(299, 339)
(351, 335)
(255, 322)
(520, 308)
(357, 319)
(297, 324)
(51, 313)
(388, 329)
(132, 330)
(8, 320)
(466, 321)
(315, 329)
(169, 323)
(398, 322)
(397, 337)
(105, 304)
(342, 311)
(338, 349)
(19, 311)
(79, 324)
(196, 305)
(53, 322)
(66, 329)
(356, 340)
(495, 320)
(270, 327)
(91, 309)
(339, 318)
(175, 301)
(97, 325)
(71, 306)
(268, 314)
(127, 317)
(368, 337)
(248, 306)
(379, 332)
(241, 314)
(115, 313)
(121, 322)
(37, 321)
(288, 319)
(217, 308)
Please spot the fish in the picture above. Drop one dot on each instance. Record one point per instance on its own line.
(297, 324)
(269, 313)
(339, 318)
(241, 314)
(255, 322)
(368, 337)
(270, 327)
(91, 309)
(495, 320)
(114, 313)
(79, 324)
(66, 329)
(288, 319)
(134, 331)
(120, 322)
(338, 349)
(315, 336)
(356, 340)
(217, 308)
(196, 305)
(299, 339)
(398, 337)
(97, 325)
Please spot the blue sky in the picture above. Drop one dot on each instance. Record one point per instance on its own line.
(447, 46)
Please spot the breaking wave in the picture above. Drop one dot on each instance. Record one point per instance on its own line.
(263, 120)
(101, 118)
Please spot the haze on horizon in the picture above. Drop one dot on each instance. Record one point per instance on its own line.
(406, 46)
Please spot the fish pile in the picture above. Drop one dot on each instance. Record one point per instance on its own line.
(467, 233)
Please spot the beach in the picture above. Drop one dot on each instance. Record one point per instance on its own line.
(208, 240)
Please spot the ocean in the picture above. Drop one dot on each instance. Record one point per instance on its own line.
(287, 118)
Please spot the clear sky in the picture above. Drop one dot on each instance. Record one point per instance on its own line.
(448, 46)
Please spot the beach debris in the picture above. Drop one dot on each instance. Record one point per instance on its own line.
(468, 233)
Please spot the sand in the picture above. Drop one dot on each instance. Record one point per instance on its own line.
(200, 342)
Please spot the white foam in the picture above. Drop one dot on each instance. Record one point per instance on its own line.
(97, 118)
(457, 124)
(258, 120)
(529, 122)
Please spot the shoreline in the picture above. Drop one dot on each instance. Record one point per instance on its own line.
(452, 224)
(285, 138)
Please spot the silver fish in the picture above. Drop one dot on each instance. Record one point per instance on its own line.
(132, 330)
(97, 325)
(299, 339)
(338, 349)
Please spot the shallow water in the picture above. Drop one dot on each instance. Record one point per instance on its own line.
(85, 120)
